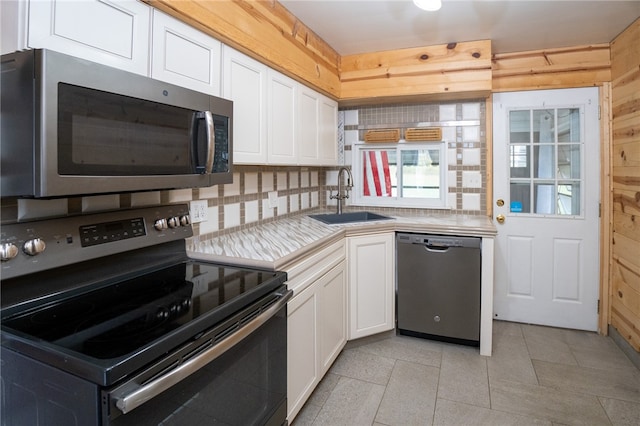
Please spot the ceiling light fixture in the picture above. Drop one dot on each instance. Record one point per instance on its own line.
(428, 5)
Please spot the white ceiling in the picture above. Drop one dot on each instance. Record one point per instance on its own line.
(358, 26)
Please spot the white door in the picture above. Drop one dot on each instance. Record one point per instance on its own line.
(547, 190)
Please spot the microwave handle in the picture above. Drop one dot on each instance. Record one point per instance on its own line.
(208, 120)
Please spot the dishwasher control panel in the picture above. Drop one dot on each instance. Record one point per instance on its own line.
(439, 240)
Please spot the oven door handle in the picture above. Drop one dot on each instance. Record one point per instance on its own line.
(148, 391)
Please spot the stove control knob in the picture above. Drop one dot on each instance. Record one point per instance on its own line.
(160, 224)
(162, 314)
(185, 220)
(8, 251)
(173, 222)
(34, 246)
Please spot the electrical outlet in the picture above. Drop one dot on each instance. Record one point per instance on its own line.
(199, 211)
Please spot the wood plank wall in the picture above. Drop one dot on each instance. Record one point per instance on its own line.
(625, 253)
(455, 69)
(577, 66)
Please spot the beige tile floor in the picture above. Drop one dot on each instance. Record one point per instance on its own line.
(536, 376)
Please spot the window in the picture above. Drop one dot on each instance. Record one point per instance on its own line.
(545, 161)
(400, 175)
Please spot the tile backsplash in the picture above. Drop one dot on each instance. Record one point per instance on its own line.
(463, 127)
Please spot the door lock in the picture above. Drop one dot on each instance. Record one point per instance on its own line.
(500, 202)
(500, 218)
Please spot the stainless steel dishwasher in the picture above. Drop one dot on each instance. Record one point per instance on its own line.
(438, 287)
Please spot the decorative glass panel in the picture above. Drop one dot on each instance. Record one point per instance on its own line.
(519, 127)
(519, 161)
(543, 126)
(569, 161)
(569, 125)
(569, 199)
(544, 198)
(544, 162)
(520, 197)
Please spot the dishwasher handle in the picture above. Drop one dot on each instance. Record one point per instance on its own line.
(436, 248)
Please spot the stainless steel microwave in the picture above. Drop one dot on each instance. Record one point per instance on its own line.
(74, 127)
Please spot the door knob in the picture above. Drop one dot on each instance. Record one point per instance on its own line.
(500, 202)
(500, 218)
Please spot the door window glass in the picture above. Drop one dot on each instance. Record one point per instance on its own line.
(545, 161)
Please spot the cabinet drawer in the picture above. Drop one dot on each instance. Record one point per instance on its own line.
(306, 271)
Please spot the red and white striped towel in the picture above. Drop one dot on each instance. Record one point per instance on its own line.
(376, 172)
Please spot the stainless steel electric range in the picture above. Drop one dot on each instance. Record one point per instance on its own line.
(106, 321)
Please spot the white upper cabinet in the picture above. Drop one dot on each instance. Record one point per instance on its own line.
(244, 82)
(281, 119)
(111, 32)
(184, 56)
(328, 132)
(318, 135)
(308, 134)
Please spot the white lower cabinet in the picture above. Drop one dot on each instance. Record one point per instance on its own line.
(303, 372)
(316, 322)
(332, 315)
(371, 263)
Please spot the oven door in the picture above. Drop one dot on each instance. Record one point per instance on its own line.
(235, 374)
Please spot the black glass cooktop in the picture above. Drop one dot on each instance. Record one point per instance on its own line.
(124, 317)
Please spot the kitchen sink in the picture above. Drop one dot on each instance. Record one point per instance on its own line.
(334, 218)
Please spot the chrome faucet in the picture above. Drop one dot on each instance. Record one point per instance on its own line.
(340, 196)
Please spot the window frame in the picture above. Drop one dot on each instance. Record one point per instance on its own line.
(358, 197)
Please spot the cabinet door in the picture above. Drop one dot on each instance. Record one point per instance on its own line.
(332, 315)
(110, 32)
(308, 130)
(244, 82)
(371, 264)
(328, 132)
(281, 119)
(184, 56)
(302, 362)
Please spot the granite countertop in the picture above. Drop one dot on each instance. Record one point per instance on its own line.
(276, 244)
